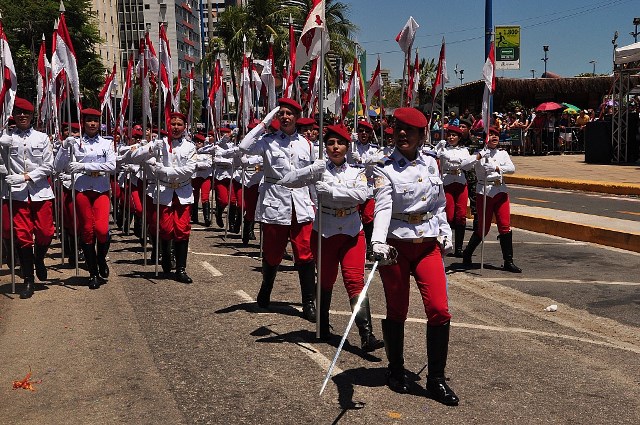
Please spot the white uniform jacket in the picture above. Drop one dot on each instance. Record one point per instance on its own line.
(281, 154)
(453, 160)
(204, 166)
(128, 169)
(340, 208)
(251, 166)
(485, 171)
(177, 168)
(31, 153)
(98, 157)
(410, 199)
(225, 151)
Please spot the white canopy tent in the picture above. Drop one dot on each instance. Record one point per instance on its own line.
(626, 54)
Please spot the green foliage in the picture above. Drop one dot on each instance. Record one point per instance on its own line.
(513, 104)
(25, 22)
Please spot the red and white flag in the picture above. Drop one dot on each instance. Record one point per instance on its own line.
(216, 97)
(489, 77)
(256, 82)
(414, 82)
(126, 94)
(176, 92)
(9, 80)
(314, 37)
(408, 33)
(245, 94)
(166, 76)
(64, 58)
(291, 74)
(189, 96)
(355, 87)
(104, 97)
(269, 80)
(375, 85)
(44, 69)
(314, 87)
(441, 77)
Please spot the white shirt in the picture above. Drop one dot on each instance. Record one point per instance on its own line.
(204, 166)
(486, 173)
(31, 153)
(453, 159)
(98, 157)
(251, 167)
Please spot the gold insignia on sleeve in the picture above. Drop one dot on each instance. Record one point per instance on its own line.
(379, 182)
(363, 178)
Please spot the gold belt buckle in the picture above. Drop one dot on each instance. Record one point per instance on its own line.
(95, 174)
(341, 212)
(418, 240)
(174, 185)
(415, 219)
(258, 168)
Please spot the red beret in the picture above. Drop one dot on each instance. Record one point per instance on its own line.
(253, 123)
(75, 126)
(275, 124)
(339, 130)
(410, 116)
(493, 130)
(285, 101)
(454, 129)
(90, 112)
(136, 133)
(365, 124)
(388, 130)
(164, 133)
(225, 130)
(301, 122)
(180, 115)
(316, 126)
(199, 137)
(23, 104)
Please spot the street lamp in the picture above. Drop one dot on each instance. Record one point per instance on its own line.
(636, 22)
(614, 41)
(461, 76)
(593, 62)
(545, 59)
(533, 73)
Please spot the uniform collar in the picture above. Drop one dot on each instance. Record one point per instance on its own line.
(337, 168)
(93, 139)
(403, 162)
(23, 133)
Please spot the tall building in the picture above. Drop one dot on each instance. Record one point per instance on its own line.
(106, 12)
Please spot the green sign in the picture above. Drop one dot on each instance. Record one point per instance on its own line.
(507, 42)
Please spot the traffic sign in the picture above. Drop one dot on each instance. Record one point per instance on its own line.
(507, 44)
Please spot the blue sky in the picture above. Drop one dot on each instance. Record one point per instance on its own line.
(576, 32)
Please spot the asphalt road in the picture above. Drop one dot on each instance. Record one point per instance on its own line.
(146, 350)
(622, 207)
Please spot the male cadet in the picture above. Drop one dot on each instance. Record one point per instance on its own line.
(473, 144)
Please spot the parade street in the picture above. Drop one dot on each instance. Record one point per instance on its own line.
(147, 350)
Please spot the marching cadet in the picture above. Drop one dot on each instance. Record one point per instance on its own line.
(341, 189)
(410, 236)
(223, 169)
(171, 164)
(365, 155)
(30, 163)
(307, 128)
(286, 213)
(90, 160)
(454, 159)
(201, 182)
(490, 165)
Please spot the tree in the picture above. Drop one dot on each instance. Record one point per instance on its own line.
(26, 21)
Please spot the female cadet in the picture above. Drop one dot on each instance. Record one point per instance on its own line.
(455, 158)
(410, 217)
(90, 160)
(491, 164)
(201, 182)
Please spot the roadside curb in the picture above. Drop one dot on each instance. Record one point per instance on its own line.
(583, 185)
(576, 231)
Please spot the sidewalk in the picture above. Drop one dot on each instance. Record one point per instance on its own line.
(571, 172)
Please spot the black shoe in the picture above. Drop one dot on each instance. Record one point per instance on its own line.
(397, 381)
(307, 276)
(368, 341)
(206, 212)
(506, 245)
(165, 256)
(471, 246)
(441, 392)
(268, 278)
(94, 283)
(182, 276)
(219, 220)
(28, 290)
(309, 311)
(41, 270)
(393, 335)
(182, 248)
(194, 213)
(247, 232)
(101, 258)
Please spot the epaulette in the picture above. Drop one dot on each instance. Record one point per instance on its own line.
(374, 145)
(385, 160)
(430, 153)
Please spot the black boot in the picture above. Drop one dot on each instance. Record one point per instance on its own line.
(393, 335)
(232, 218)
(182, 248)
(194, 213)
(471, 246)
(90, 258)
(368, 232)
(26, 266)
(506, 244)
(437, 349)
(368, 341)
(325, 305)
(101, 257)
(137, 226)
(307, 275)
(206, 212)
(165, 246)
(237, 222)
(247, 231)
(41, 269)
(219, 210)
(70, 250)
(459, 240)
(268, 277)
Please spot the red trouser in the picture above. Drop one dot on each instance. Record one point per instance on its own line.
(457, 197)
(68, 212)
(115, 187)
(175, 220)
(499, 206)
(136, 198)
(366, 210)
(30, 218)
(424, 262)
(93, 216)
(201, 189)
(276, 237)
(221, 187)
(250, 199)
(346, 251)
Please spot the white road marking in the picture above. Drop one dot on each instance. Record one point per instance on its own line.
(578, 281)
(308, 349)
(589, 194)
(214, 272)
(213, 254)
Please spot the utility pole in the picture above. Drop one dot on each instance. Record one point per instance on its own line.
(545, 59)
(461, 76)
(533, 73)
(593, 62)
(634, 34)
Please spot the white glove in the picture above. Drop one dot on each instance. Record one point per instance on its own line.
(230, 153)
(69, 141)
(356, 156)
(354, 137)
(235, 132)
(244, 160)
(380, 251)
(161, 171)
(270, 116)
(489, 167)
(3, 169)
(445, 244)
(151, 161)
(225, 138)
(5, 140)
(158, 145)
(76, 167)
(318, 166)
(15, 179)
(324, 188)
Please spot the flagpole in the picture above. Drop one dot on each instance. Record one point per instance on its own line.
(356, 91)
(319, 216)
(404, 76)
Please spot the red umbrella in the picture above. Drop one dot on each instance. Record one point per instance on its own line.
(549, 106)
